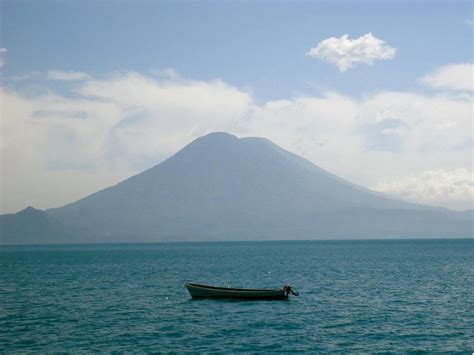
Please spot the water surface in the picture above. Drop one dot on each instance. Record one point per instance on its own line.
(359, 296)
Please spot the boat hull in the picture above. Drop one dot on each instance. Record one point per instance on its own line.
(203, 291)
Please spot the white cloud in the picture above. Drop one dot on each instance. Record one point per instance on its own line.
(67, 75)
(175, 111)
(112, 128)
(454, 188)
(43, 145)
(452, 77)
(2, 61)
(347, 53)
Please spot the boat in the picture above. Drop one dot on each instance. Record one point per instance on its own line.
(204, 291)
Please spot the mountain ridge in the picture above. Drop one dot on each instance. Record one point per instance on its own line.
(220, 187)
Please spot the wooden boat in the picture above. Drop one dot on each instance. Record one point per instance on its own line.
(203, 291)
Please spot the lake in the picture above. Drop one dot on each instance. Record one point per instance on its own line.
(356, 296)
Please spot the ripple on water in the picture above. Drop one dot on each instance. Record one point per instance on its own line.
(360, 296)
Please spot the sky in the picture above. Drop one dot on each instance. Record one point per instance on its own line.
(377, 92)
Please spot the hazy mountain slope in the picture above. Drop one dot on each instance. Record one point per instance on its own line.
(32, 226)
(222, 187)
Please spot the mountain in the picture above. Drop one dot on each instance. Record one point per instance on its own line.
(33, 226)
(220, 187)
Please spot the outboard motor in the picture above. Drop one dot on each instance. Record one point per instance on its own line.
(289, 290)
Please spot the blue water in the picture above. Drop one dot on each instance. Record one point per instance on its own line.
(357, 296)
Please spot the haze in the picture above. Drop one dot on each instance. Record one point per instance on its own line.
(95, 92)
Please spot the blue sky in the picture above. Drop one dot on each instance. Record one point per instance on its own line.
(259, 45)
(95, 91)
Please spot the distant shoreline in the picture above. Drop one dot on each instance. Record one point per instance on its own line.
(286, 241)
